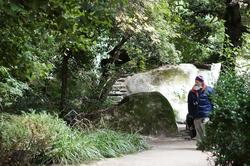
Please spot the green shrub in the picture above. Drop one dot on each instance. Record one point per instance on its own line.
(228, 133)
(33, 139)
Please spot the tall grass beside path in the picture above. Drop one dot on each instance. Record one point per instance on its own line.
(37, 139)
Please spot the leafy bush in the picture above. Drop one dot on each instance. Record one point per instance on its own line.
(10, 88)
(228, 133)
(42, 139)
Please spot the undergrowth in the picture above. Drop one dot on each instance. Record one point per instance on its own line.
(37, 139)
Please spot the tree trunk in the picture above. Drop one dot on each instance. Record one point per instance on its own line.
(64, 84)
(113, 52)
(233, 31)
(107, 87)
(107, 80)
(233, 25)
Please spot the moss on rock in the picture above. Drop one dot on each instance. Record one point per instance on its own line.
(146, 112)
(171, 74)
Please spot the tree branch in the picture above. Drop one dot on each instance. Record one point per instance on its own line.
(112, 53)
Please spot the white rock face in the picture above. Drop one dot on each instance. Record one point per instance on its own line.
(174, 82)
(243, 65)
(243, 68)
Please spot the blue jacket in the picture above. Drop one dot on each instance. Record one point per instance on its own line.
(199, 103)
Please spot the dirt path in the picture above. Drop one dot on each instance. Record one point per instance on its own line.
(164, 152)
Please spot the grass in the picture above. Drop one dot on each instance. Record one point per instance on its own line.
(43, 138)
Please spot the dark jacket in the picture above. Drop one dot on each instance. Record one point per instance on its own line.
(199, 103)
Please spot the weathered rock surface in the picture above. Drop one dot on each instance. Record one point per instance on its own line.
(147, 113)
(173, 82)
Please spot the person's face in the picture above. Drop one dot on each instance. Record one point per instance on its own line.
(198, 83)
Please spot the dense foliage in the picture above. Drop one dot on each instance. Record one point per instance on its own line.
(63, 56)
(34, 139)
(228, 132)
(52, 51)
(212, 26)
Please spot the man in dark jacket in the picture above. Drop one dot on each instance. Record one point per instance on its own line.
(200, 105)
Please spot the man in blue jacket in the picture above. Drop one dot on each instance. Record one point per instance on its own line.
(200, 105)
